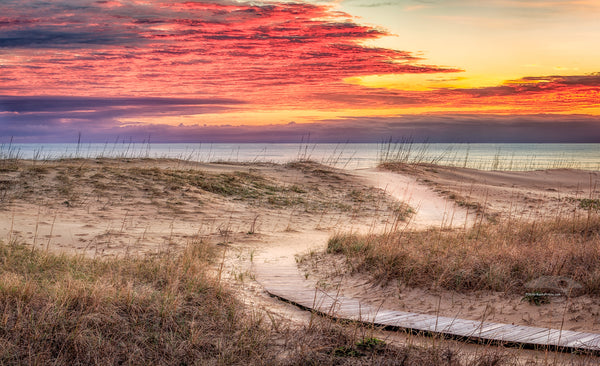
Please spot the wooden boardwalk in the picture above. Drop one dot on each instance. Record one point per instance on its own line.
(286, 283)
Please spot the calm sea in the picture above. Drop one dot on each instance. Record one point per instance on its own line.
(349, 155)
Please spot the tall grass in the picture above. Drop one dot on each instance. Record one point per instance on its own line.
(342, 155)
(167, 309)
(160, 309)
(163, 308)
(496, 257)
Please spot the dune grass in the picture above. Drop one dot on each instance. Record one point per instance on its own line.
(78, 182)
(167, 309)
(496, 257)
(157, 309)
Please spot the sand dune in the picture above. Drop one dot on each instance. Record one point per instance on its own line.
(273, 212)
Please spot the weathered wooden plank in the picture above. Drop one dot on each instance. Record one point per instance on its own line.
(442, 323)
(383, 316)
(293, 290)
(545, 338)
(575, 339)
(463, 328)
(428, 324)
(527, 335)
(398, 320)
(501, 334)
(590, 340)
(486, 327)
(566, 337)
(416, 321)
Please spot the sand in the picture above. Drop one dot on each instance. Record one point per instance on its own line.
(123, 207)
(450, 196)
(522, 195)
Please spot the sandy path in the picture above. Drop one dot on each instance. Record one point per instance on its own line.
(276, 265)
(431, 208)
(276, 257)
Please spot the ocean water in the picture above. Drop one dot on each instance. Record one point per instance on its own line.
(348, 155)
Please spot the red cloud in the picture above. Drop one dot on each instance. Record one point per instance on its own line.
(278, 55)
(283, 52)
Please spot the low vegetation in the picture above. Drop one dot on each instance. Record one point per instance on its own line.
(166, 309)
(76, 180)
(159, 309)
(172, 307)
(180, 186)
(496, 257)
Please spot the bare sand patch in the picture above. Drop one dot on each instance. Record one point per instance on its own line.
(518, 194)
(99, 207)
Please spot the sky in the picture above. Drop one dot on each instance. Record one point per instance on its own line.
(288, 71)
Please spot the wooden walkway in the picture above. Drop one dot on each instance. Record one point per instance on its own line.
(284, 282)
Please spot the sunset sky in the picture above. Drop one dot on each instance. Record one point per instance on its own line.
(277, 71)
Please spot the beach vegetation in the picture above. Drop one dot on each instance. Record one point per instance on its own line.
(495, 257)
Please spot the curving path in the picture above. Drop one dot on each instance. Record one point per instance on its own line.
(431, 208)
(277, 272)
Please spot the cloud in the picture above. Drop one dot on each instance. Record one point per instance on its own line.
(197, 57)
(38, 38)
(461, 128)
(56, 118)
(239, 50)
(27, 104)
(550, 94)
(538, 84)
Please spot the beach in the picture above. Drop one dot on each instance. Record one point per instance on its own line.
(257, 213)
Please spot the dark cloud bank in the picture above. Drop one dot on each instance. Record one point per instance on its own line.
(62, 119)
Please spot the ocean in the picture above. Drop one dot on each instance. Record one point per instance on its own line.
(348, 155)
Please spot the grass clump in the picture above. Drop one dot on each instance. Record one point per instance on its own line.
(496, 257)
(163, 309)
(536, 298)
(589, 204)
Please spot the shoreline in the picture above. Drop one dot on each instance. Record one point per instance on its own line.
(483, 156)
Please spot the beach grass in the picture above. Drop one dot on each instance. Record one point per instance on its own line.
(81, 181)
(174, 306)
(496, 257)
(164, 308)
(168, 309)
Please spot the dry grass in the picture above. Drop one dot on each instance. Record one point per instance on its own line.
(160, 309)
(170, 307)
(73, 179)
(497, 257)
(166, 309)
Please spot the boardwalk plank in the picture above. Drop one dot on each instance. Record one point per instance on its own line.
(463, 328)
(500, 333)
(591, 340)
(289, 286)
(545, 338)
(529, 335)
